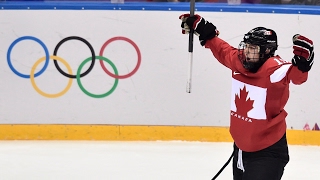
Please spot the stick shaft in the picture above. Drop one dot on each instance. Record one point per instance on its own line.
(190, 48)
(192, 7)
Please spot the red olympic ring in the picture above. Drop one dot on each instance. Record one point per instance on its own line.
(135, 47)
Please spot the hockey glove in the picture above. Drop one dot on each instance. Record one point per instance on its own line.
(202, 28)
(303, 53)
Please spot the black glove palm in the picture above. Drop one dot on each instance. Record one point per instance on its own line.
(204, 29)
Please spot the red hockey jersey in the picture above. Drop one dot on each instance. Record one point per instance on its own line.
(257, 115)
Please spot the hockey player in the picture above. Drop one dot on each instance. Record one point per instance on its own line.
(260, 91)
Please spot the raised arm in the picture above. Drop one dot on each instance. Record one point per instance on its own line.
(302, 60)
(208, 33)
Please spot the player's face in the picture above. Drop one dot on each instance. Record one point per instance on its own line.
(252, 52)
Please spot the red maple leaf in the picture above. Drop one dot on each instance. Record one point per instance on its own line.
(243, 104)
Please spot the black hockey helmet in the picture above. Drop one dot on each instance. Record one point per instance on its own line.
(267, 41)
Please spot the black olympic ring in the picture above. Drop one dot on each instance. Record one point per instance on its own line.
(84, 41)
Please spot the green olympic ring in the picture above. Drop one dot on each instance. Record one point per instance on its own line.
(97, 95)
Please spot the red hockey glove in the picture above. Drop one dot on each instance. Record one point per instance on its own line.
(303, 53)
(202, 28)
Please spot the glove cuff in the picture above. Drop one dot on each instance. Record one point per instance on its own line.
(302, 64)
(209, 31)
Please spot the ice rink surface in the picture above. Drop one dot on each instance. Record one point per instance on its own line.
(119, 160)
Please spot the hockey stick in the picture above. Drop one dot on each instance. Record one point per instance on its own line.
(224, 166)
(190, 49)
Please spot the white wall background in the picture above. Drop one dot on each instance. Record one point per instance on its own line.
(156, 94)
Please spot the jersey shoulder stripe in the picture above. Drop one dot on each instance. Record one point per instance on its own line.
(279, 73)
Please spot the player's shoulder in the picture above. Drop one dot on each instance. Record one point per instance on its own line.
(276, 61)
(273, 64)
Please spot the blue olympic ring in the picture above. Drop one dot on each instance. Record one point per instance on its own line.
(28, 38)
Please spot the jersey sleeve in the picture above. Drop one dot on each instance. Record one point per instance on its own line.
(296, 76)
(280, 70)
(222, 51)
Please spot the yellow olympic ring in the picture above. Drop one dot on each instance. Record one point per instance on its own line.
(38, 89)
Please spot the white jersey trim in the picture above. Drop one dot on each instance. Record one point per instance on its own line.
(280, 73)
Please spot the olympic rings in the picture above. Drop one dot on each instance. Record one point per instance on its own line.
(69, 74)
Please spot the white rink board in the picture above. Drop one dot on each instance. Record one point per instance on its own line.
(156, 93)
